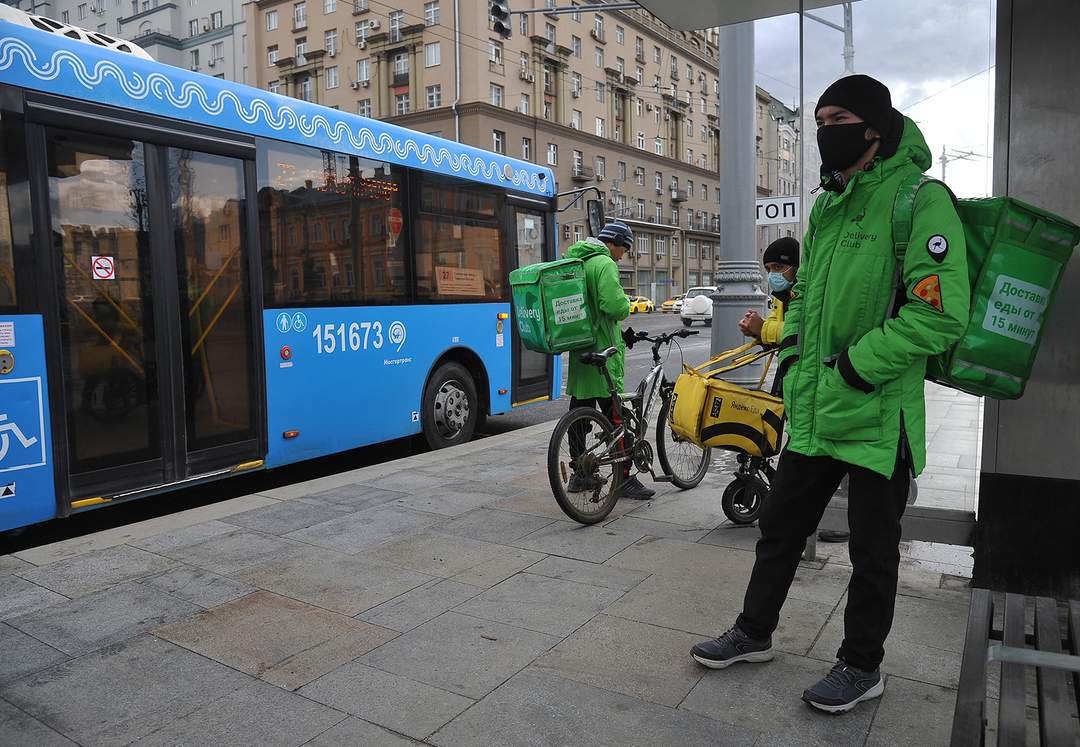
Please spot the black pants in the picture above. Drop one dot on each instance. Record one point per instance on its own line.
(580, 430)
(791, 512)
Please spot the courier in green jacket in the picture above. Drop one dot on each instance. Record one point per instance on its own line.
(857, 335)
(608, 305)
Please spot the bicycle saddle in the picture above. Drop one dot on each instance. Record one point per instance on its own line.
(597, 358)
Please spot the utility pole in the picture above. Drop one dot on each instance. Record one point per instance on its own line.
(957, 155)
(849, 43)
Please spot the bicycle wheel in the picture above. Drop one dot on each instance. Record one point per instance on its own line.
(686, 462)
(583, 475)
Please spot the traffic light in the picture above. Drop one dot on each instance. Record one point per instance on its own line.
(500, 18)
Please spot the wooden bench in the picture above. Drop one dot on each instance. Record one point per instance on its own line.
(1016, 651)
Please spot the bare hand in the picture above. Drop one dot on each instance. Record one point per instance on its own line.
(750, 324)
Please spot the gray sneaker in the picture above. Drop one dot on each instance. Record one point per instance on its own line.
(843, 687)
(580, 483)
(731, 647)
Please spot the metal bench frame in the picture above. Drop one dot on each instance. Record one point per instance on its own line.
(1056, 724)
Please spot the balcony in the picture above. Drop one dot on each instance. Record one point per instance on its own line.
(598, 35)
(679, 195)
(401, 79)
(582, 173)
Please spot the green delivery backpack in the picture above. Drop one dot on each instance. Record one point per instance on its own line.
(1016, 259)
(551, 306)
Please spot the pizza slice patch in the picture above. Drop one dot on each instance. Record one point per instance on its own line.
(929, 290)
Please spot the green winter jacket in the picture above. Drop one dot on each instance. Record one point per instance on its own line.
(608, 305)
(857, 380)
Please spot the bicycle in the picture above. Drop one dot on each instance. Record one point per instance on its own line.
(588, 454)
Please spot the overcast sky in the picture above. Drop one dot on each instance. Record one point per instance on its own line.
(936, 57)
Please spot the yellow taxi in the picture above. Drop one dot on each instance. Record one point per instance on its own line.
(672, 304)
(641, 303)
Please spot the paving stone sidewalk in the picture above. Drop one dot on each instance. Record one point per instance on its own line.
(444, 599)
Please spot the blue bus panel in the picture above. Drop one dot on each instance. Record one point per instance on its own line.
(27, 493)
(353, 376)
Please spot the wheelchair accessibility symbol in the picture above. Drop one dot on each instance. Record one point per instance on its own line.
(5, 443)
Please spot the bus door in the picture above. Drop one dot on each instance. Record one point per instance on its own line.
(148, 236)
(533, 241)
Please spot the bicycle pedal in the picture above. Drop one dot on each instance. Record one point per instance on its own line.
(661, 478)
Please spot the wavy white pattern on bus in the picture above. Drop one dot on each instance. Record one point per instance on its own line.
(283, 119)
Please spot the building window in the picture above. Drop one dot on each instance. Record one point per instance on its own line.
(523, 24)
(274, 86)
(641, 140)
(300, 15)
(619, 34)
(640, 77)
(65, 16)
(622, 171)
(193, 27)
(329, 6)
(599, 57)
(620, 66)
(495, 51)
(434, 97)
(397, 23)
(552, 154)
(82, 11)
(432, 54)
(658, 146)
(575, 119)
(656, 54)
(301, 50)
(498, 141)
(598, 27)
(401, 102)
(641, 209)
(549, 34)
(601, 167)
(217, 51)
(194, 57)
(331, 77)
(431, 14)
(575, 84)
(526, 148)
(363, 70)
(599, 90)
(575, 46)
(401, 64)
(271, 55)
(523, 107)
(578, 234)
(363, 108)
(600, 127)
(579, 159)
(362, 30)
(307, 90)
(495, 95)
(330, 41)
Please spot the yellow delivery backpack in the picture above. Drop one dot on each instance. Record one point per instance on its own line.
(708, 411)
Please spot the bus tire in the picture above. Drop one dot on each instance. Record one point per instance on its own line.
(451, 408)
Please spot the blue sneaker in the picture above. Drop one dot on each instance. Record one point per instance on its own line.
(843, 687)
(733, 646)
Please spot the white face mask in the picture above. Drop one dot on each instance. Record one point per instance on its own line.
(778, 283)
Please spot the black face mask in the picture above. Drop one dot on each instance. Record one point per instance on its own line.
(841, 145)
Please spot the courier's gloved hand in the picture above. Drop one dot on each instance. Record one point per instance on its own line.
(629, 336)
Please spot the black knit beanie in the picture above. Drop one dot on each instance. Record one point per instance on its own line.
(865, 97)
(785, 251)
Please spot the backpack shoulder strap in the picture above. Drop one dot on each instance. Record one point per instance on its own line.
(904, 209)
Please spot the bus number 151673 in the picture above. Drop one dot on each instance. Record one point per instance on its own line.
(336, 337)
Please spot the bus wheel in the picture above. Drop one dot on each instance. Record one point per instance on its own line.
(451, 408)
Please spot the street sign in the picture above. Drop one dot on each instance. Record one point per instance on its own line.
(774, 210)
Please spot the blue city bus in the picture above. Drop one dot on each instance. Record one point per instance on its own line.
(199, 278)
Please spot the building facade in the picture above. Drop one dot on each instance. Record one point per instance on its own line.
(616, 103)
(207, 36)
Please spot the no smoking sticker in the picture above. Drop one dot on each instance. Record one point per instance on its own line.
(103, 268)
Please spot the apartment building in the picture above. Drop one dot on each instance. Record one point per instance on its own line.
(616, 103)
(207, 36)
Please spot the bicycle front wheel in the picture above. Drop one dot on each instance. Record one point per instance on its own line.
(686, 462)
(584, 475)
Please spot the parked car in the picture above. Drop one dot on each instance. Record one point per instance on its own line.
(641, 303)
(672, 304)
(697, 305)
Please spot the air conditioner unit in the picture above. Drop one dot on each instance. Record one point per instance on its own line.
(527, 76)
(194, 68)
(659, 191)
(355, 85)
(332, 53)
(373, 25)
(599, 177)
(361, 44)
(598, 35)
(576, 93)
(566, 232)
(365, 83)
(517, 109)
(667, 117)
(206, 27)
(649, 107)
(211, 63)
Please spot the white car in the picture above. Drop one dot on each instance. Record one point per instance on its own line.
(697, 305)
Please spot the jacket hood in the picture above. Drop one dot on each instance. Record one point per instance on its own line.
(912, 147)
(587, 248)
